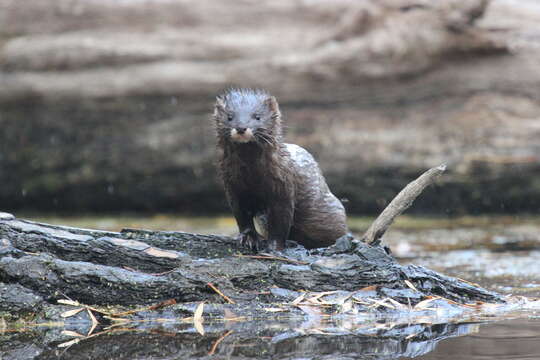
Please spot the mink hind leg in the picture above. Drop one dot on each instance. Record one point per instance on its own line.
(321, 231)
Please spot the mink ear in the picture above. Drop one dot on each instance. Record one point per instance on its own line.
(272, 104)
(220, 106)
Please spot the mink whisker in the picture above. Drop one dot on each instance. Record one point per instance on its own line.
(260, 136)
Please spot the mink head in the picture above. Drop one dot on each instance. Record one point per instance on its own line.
(247, 116)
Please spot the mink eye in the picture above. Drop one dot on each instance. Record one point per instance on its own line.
(257, 116)
(230, 117)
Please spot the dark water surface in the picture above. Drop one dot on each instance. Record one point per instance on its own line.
(508, 339)
(499, 255)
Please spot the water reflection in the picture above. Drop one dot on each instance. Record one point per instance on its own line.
(512, 339)
(254, 340)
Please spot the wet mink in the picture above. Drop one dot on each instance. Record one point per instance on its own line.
(278, 185)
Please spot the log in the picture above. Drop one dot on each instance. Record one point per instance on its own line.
(135, 267)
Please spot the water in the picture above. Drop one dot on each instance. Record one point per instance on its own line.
(501, 254)
(510, 339)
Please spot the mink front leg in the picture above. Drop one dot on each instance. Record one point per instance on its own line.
(280, 220)
(248, 236)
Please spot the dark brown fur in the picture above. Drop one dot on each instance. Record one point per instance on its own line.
(278, 184)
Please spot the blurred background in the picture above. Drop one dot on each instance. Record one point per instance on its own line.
(105, 105)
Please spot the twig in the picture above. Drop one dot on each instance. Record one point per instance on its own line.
(214, 347)
(151, 307)
(401, 202)
(229, 300)
(163, 273)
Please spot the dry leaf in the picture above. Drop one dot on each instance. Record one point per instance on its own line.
(347, 306)
(360, 302)
(410, 284)
(397, 304)
(68, 302)
(381, 303)
(314, 300)
(299, 299)
(197, 316)
(69, 343)
(71, 333)
(423, 304)
(94, 322)
(317, 296)
(274, 309)
(199, 327)
(339, 301)
(71, 312)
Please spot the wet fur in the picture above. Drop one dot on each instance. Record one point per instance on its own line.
(278, 184)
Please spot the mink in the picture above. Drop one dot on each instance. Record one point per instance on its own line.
(277, 185)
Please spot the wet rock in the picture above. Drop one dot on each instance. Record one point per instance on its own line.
(15, 298)
(21, 350)
(284, 294)
(402, 295)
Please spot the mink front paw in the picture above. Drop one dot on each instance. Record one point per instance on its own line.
(251, 240)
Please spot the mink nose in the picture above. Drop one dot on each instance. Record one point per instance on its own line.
(240, 130)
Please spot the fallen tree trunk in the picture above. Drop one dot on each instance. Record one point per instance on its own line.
(142, 267)
(126, 268)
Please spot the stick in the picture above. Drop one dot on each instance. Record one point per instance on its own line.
(220, 293)
(401, 202)
(214, 347)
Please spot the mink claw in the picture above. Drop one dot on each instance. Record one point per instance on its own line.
(251, 240)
